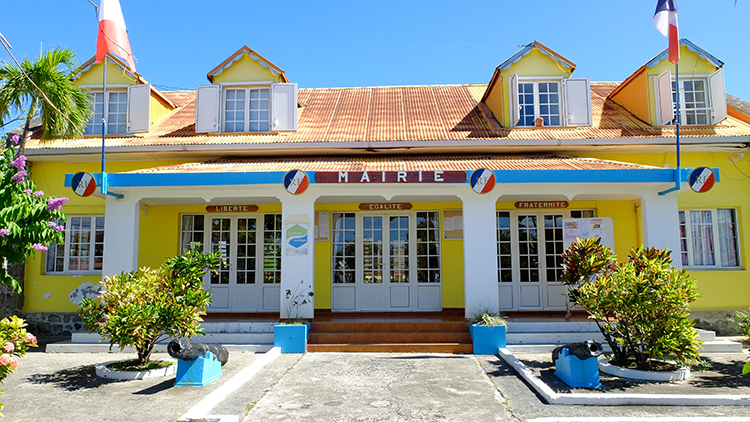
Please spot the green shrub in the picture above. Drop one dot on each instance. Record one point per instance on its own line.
(14, 341)
(141, 308)
(640, 306)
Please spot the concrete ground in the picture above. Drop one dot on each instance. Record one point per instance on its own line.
(332, 387)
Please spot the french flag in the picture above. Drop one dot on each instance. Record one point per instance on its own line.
(665, 21)
(113, 35)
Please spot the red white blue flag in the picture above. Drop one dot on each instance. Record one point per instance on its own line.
(665, 21)
(113, 35)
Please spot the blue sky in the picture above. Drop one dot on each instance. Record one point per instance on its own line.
(327, 43)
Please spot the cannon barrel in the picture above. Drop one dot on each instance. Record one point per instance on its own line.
(191, 351)
(582, 350)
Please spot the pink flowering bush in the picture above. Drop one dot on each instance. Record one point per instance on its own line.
(16, 341)
(25, 216)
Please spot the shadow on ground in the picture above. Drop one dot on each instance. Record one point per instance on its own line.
(73, 379)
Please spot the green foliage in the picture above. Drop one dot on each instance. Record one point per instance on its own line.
(28, 220)
(14, 341)
(293, 300)
(51, 77)
(585, 260)
(641, 306)
(141, 308)
(743, 322)
(487, 316)
(132, 365)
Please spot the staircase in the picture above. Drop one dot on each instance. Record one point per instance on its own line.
(425, 332)
(526, 336)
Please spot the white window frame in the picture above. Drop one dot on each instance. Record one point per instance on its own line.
(560, 96)
(247, 87)
(686, 239)
(96, 123)
(715, 98)
(683, 104)
(54, 248)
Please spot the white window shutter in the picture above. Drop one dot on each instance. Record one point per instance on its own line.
(663, 94)
(515, 113)
(139, 108)
(718, 96)
(207, 106)
(578, 101)
(284, 103)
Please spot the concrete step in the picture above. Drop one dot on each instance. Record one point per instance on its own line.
(389, 327)
(716, 346)
(238, 327)
(334, 338)
(392, 347)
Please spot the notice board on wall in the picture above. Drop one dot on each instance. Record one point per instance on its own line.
(600, 227)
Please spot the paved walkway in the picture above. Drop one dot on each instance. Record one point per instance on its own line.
(314, 387)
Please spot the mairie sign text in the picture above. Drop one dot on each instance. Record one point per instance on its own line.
(400, 176)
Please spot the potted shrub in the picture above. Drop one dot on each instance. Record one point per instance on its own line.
(292, 333)
(141, 308)
(487, 329)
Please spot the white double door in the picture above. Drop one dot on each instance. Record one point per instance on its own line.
(386, 262)
(529, 261)
(250, 274)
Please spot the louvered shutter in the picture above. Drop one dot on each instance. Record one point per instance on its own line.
(578, 102)
(284, 103)
(718, 96)
(208, 102)
(515, 114)
(139, 108)
(664, 103)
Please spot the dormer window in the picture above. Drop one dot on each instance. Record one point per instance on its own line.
(702, 99)
(539, 99)
(694, 108)
(246, 109)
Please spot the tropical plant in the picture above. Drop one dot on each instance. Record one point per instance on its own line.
(487, 316)
(293, 300)
(43, 88)
(29, 220)
(640, 306)
(141, 308)
(14, 341)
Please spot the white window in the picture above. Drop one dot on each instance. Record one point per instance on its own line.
(127, 110)
(708, 238)
(246, 109)
(702, 99)
(83, 250)
(539, 99)
(561, 102)
(116, 107)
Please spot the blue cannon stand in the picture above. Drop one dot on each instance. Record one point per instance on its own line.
(576, 372)
(199, 372)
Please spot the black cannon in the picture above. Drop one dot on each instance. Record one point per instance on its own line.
(582, 350)
(191, 351)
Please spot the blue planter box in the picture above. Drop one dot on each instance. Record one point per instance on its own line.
(487, 338)
(291, 338)
(576, 372)
(199, 372)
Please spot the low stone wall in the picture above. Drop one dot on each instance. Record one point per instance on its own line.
(49, 324)
(717, 321)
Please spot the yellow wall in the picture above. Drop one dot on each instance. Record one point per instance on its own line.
(115, 76)
(634, 97)
(534, 64)
(721, 289)
(246, 70)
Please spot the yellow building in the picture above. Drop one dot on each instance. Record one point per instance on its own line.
(447, 198)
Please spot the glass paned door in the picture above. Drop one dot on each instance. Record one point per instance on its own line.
(237, 285)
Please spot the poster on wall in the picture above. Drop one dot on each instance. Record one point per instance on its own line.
(600, 228)
(297, 239)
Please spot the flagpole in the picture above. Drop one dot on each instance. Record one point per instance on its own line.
(104, 125)
(677, 80)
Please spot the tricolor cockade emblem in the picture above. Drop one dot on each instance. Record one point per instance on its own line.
(296, 182)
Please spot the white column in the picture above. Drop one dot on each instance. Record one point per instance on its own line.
(660, 224)
(480, 253)
(297, 265)
(121, 227)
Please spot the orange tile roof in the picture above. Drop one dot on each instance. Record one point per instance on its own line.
(401, 113)
(467, 162)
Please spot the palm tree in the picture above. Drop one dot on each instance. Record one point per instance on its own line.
(44, 89)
